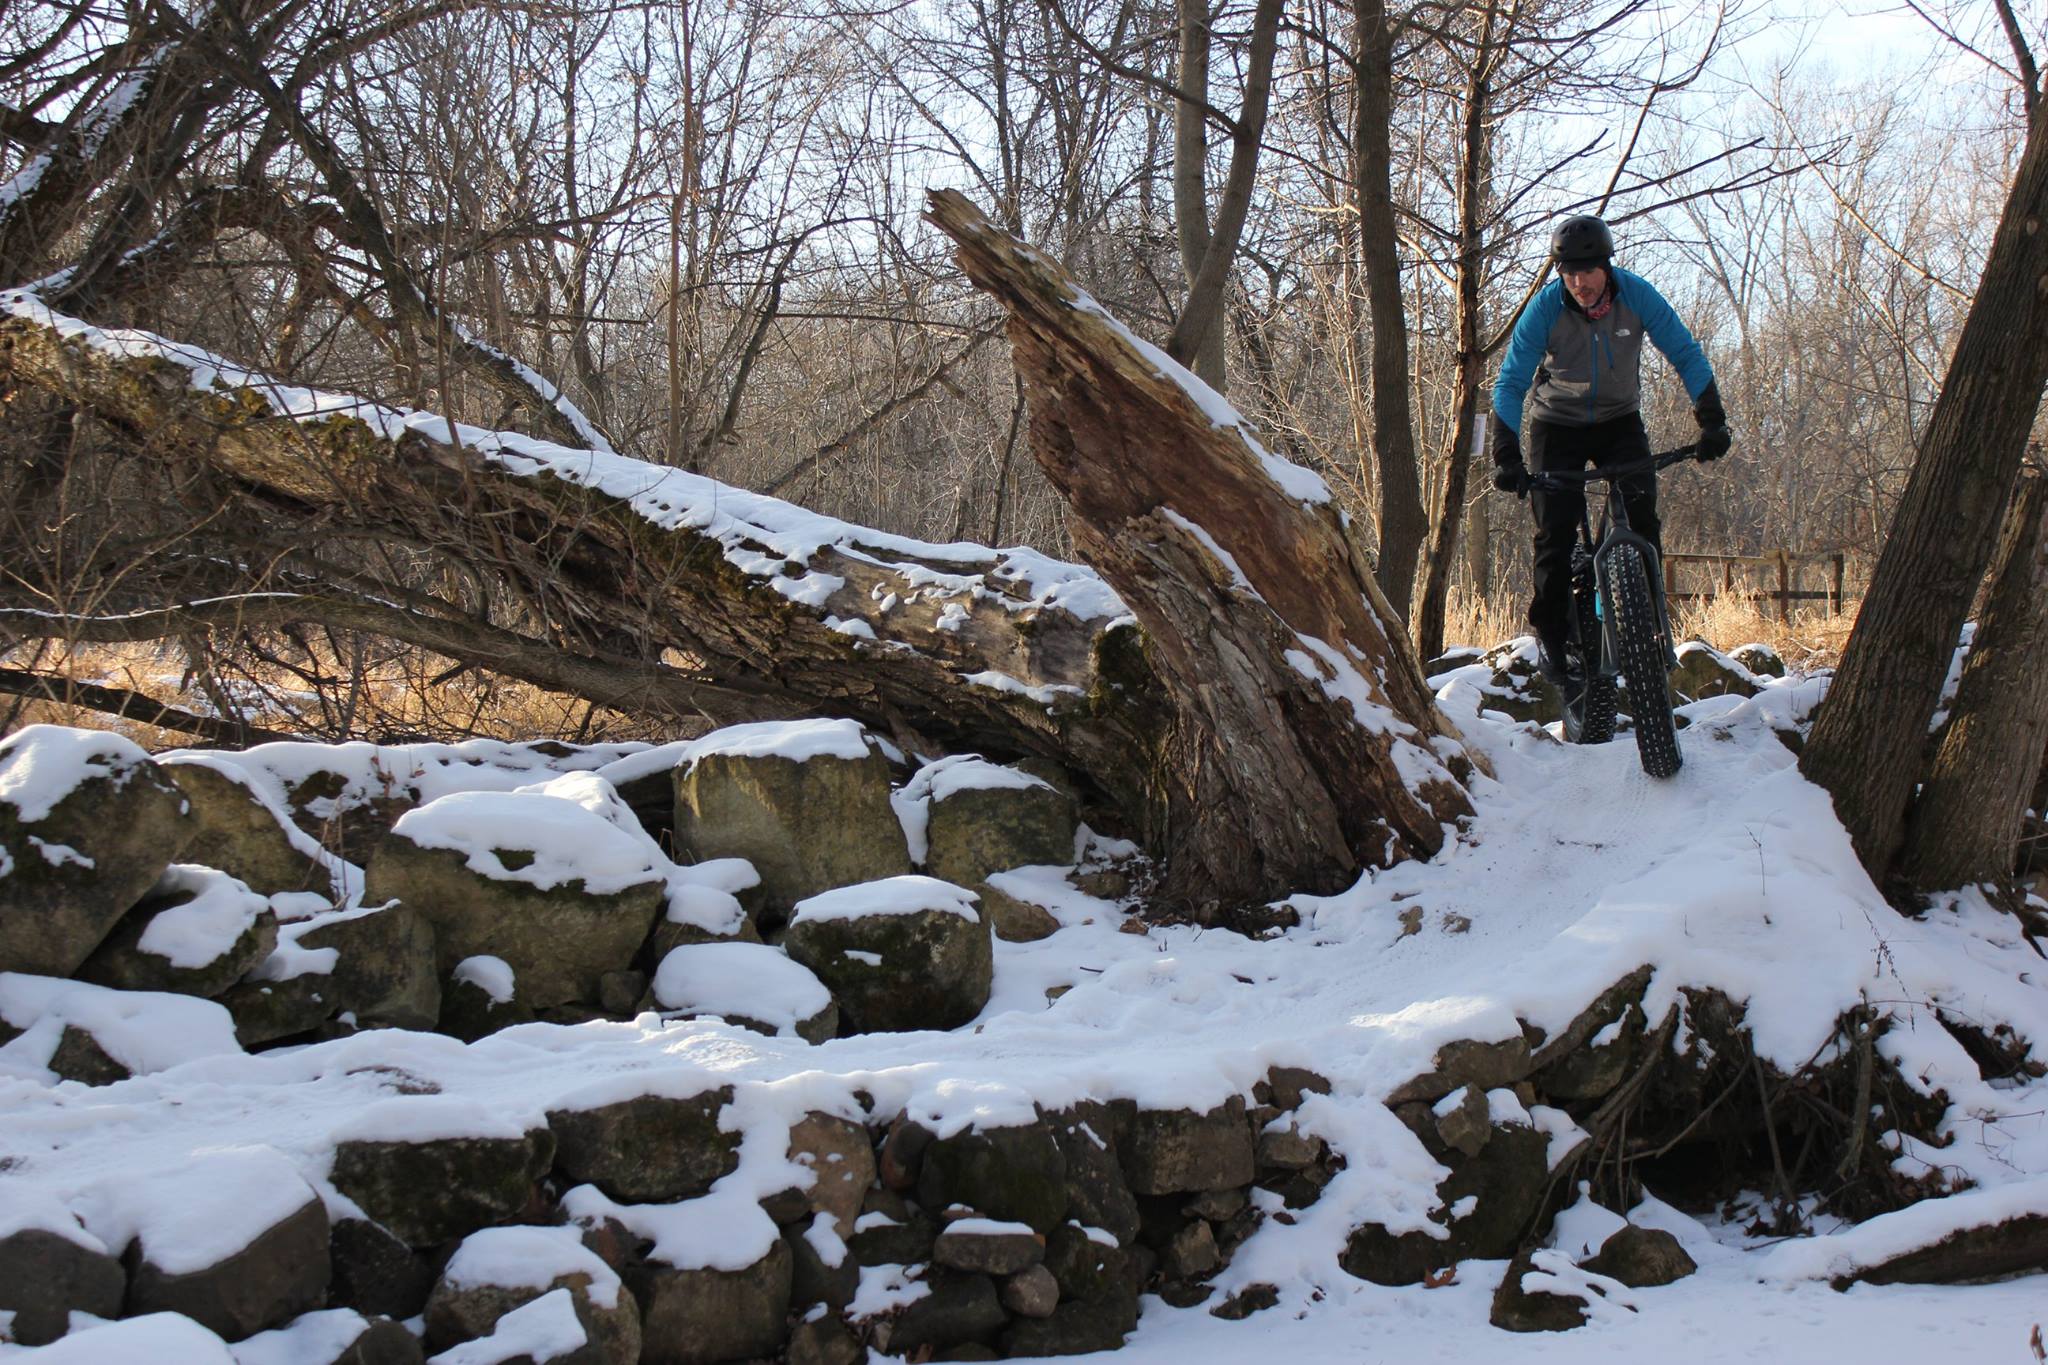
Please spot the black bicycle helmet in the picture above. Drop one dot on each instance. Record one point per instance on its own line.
(1581, 239)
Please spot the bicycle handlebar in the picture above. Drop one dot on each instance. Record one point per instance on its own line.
(1563, 480)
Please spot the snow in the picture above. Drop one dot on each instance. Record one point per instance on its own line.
(748, 979)
(40, 765)
(199, 1211)
(906, 895)
(1575, 871)
(566, 841)
(530, 1258)
(204, 928)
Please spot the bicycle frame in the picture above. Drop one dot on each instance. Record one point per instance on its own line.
(1614, 533)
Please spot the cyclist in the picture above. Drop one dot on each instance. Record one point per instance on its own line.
(1576, 353)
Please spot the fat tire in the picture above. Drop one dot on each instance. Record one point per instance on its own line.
(1642, 661)
(1590, 720)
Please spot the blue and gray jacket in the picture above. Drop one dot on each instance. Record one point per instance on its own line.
(1585, 371)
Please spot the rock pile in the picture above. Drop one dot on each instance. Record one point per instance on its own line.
(793, 904)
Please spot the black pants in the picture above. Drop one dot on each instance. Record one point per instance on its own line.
(1554, 447)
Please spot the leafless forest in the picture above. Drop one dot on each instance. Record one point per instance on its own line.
(699, 223)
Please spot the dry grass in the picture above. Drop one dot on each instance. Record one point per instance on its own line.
(396, 696)
(1811, 639)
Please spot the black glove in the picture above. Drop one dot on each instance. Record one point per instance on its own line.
(1713, 419)
(1509, 474)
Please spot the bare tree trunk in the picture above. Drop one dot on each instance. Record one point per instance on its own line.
(1942, 535)
(1965, 827)
(1402, 521)
(1474, 183)
(1206, 254)
(1296, 711)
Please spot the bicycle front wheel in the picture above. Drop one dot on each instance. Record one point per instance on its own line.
(1642, 661)
(1588, 717)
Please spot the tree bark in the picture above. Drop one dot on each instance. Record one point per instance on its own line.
(1943, 532)
(1965, 827)
(1299, 743)
(1403, 524)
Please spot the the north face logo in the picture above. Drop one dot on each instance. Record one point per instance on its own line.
(1621, 331)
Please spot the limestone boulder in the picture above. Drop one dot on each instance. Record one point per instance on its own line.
(375, 964)
(432, 1168)
(49, 1272)
(1704, 671)
(1090, 1136)
(376, 1274)
(1522, 1308)
(805, 802)
(1176, 1151)
(197, 932)
(498, 1270)
(236, 1240)
(748, 984)
(1485, 1205)
(558, 892)
(1014, 1174)
(984, 1246)
(1642, 1258)
(1760, 659)
(982, 817)
(701, 1316)
(480, 997)
(88, 823)
(242, 832)
(841, 1161)
(1077, 1328)
(345, 813)
(902, 953)
(700, 914)
(644, 1140)
(959, 1309)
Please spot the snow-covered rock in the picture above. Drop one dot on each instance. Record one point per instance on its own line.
(235, 1240)
(558, 892)
(196, 932)
(431, 1168)
(79, 1031)
(748, 984)
(242, 832)
(499, 1270)
(87, 824)
(646, 1141)
(806, 802)
(902, 953)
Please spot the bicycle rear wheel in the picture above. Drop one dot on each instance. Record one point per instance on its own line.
(1589, 717)
(1642, 661)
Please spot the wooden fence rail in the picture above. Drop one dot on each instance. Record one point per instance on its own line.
(1780, 565)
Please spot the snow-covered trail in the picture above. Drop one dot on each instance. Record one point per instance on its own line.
(1577, 870)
